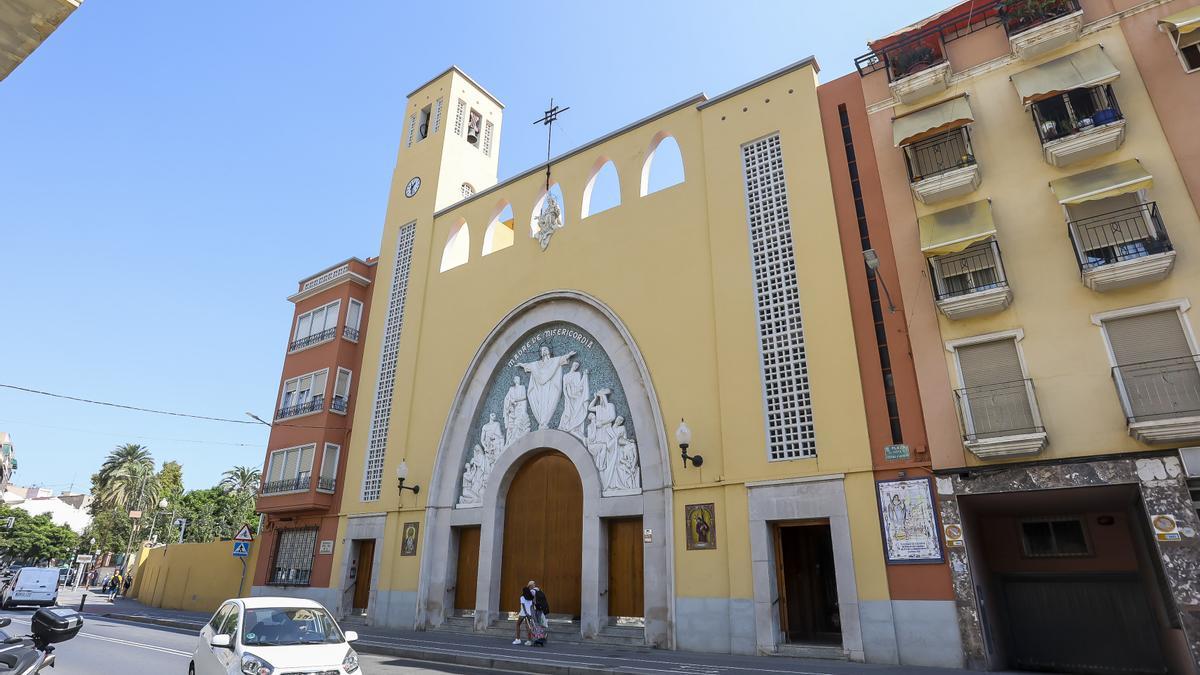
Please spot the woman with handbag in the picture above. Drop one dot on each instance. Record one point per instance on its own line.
(525, 615)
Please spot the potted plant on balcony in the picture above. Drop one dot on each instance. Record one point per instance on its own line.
(1021, 15)
(912, 60)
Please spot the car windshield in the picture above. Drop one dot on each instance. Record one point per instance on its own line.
(278, 626)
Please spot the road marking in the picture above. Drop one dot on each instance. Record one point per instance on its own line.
(130, 643)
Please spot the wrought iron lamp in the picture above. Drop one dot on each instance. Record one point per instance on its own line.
(683, 436)
(401, 476)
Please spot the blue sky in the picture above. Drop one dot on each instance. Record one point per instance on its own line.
(169, 171)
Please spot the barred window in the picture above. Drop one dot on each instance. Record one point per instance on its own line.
(294, 557)
(788, 401)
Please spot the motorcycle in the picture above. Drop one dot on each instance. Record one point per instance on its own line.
(30, 654)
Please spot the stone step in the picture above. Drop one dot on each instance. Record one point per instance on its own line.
(559, 631)
(829, 652)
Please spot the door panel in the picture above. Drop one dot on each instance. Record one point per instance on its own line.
(362, 580)
(543, 533)
(468, 568)
(625, 556)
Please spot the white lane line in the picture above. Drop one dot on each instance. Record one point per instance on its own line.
(129, 643)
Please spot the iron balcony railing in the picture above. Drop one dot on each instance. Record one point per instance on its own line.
(1019, 16)
(298, 484)
(1074, 112)
(315, 338)
(997, 410)
(338, 404)
(1117, 236)
(947, 28)
(350, 333)
(978, 268)
(939, 154)
(1160, 389)
(312, 405)
(326, 484)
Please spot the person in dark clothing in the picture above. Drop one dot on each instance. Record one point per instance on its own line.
(541, 609)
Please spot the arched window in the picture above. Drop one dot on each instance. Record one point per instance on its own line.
(603, 190)
(467, 190)
(499, 232)
(664, 164)
(537, 208)
(458, 247)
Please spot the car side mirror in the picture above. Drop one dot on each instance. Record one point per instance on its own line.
(221, 641)
(351, 635)
(4, 622)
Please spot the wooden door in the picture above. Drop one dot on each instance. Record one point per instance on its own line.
(543, 534)
(362, 579)
(468, 568)
(625, 549)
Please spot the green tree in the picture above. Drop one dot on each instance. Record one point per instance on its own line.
(215, 513)
(36, 539)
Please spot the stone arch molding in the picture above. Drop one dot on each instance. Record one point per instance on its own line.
(482, 394)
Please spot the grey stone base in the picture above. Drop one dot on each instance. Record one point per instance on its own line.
(394, 609)
(719, 625)
(927, 632)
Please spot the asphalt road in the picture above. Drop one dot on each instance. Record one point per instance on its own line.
(110, 646)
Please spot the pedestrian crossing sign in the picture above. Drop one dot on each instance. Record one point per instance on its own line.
(241, 549)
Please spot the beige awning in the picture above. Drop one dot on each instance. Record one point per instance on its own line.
(1107, 181)
(952, 230)
(1085, 68)
(1183, 22)
(930, 121)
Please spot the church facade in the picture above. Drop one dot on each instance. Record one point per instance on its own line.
(657, 411)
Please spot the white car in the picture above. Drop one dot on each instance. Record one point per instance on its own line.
(31, 586)
(273, 636)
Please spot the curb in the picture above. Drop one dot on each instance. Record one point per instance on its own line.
(415, 653)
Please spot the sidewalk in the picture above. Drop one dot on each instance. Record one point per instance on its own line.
(485, 651)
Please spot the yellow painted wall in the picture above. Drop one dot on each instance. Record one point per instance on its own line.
(689, 243)
(192, 577)
(1063, 350)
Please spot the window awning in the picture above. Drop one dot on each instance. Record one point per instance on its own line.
(1085, 68)
(953, 230)
(1183, 22)
(1107, 181)
(931, 121)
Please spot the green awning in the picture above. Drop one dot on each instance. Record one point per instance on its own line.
(1107, 181)
(930, 121)
(953, 230)
(1183, 22)
(1085, 68)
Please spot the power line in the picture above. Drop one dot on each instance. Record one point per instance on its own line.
(119, 435)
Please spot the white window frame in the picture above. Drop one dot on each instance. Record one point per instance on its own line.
(1180, 305)
(324, 309)
(280, 456)
(311, 395)
(349, 382)
(337, 455)
(1016, 335)
(1173, 35)
(348, 325)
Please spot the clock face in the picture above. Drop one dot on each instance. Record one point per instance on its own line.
(412, 187)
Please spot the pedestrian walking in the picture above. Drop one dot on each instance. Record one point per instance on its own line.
(128, 583)
(541, 616)
(525, 616)
(114, 585)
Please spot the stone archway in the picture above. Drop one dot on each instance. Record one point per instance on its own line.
(448, 510)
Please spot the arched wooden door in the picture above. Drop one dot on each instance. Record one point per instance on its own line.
(543, 533)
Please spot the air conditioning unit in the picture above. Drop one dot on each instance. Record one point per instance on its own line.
(1191, 461)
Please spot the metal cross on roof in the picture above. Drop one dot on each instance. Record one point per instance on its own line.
(548, 119)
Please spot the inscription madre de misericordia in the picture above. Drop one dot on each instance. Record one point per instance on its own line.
(555, 377)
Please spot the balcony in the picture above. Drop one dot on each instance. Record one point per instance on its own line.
(339, 404)
(1161, 399)
(1122, 248)
(311, 340)
(1001, 420)
(350, 334)
(315, 404)
(298, 484)
(1038, 27)
(917, 68)
(1079, 125)
(327, 484)
(970, 283)
(942, 167)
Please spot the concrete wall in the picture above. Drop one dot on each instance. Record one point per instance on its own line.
(192, 577)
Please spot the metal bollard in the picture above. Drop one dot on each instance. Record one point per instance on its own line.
(81, 601)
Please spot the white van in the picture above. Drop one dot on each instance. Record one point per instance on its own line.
(31, 586)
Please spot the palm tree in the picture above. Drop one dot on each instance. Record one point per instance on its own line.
(241, 480)
(127, 477)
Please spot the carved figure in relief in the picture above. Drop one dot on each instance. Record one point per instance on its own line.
(545, 384)
(492, 437)
(549, 220)
(589, 438)
(627, 475)
(516, 412)
(475, 476)
(575, 401)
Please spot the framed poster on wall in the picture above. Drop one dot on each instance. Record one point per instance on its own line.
(701, 523)
(908, 516)
(408, 545)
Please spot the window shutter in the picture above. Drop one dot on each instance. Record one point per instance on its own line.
(989, 363)
(1147, 337)
(289, 467)
(331, 315)
(306, 460)
(329, 461)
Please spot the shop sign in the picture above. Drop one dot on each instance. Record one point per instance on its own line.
(1165, 527)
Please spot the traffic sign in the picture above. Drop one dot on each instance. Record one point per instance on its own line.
(241, 549)
(81, 558)
(244, 534)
